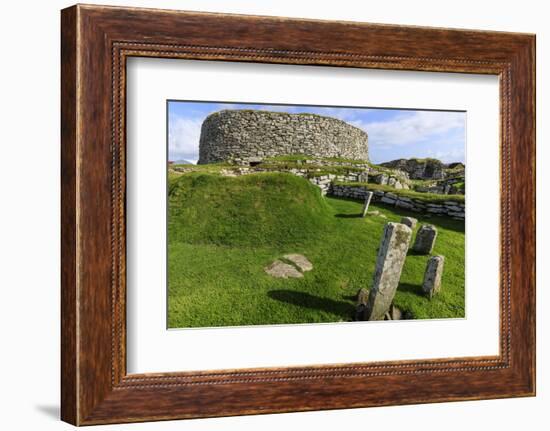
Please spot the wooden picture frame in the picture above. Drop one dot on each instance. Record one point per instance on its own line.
(95, 43)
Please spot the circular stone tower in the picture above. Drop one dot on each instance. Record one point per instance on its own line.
(251, 135)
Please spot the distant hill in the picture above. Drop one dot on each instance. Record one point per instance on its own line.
(425, 169)
(182, 162)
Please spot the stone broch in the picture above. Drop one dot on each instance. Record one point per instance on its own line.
(389, 264)
(432, 276)
(253, 135)
(425, 239)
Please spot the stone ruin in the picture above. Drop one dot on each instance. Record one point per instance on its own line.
(252, 135)
(419, 169)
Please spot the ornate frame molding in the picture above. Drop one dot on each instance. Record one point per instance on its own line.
(96, 41)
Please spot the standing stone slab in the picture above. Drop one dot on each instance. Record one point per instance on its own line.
(409, 221)
(425, 239)
(368, 198)
(389, 263)
(432, 276)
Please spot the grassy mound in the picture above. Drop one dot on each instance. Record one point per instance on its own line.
(223, 231)
(273, 209)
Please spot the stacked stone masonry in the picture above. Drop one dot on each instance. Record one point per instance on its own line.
(450, 208)
(253, 135)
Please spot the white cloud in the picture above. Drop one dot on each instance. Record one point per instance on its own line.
(411, 128)
(452, 155)
(183, 138)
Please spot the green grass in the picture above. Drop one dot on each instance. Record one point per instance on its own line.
(224, 230)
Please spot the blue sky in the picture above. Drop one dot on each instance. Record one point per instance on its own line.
(393, 133)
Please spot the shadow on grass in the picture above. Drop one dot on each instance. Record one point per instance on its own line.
(411, 288)
(302, 299)
(413, 252)
(438, 221)
(348, 215)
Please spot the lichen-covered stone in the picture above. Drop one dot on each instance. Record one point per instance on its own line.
(432, 275)
(389, 264)
(253, 135)
(409, 221)
(425, 239)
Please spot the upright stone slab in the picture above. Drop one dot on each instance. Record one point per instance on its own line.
(368, 198)
(425, 239)
(432, 276)
(409, 221)
(389, 263)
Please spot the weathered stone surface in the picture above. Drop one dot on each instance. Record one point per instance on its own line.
(425, 239)
(367, 203)
(419, 168)
(381, 179)
(432, 275)
(362, 299)
(300, 261)
(387, 200)
(254, 134)
(389, 264)
(395, 313)
(402, 204)
(362, 296)
(409, 221)
(279, 269)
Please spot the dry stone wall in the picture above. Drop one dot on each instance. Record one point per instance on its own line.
(252, 135)
(450, 208)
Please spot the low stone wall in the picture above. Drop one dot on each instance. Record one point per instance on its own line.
(450, 208)
(326, 183)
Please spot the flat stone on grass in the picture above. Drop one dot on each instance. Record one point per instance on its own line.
(279, 269)
(300, 261)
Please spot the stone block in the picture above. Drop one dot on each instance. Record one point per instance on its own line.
(432, 275)
(389, 264)
(409, 221)
(425, 239)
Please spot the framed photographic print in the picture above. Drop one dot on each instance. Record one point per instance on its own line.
(264, 214)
